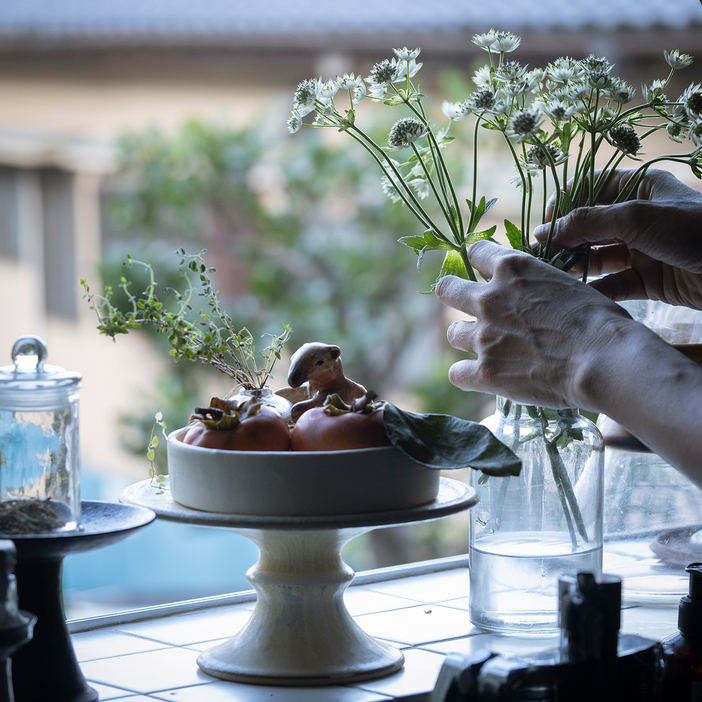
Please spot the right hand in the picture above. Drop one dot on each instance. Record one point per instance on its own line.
(650, 245)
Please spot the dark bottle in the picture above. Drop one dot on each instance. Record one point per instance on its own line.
(683, 651)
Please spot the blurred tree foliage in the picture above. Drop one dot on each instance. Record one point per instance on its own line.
(300, 233)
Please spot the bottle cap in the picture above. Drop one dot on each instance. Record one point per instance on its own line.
(690, 609)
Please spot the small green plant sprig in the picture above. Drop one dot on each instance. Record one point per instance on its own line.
(554, 121)
(209, 337)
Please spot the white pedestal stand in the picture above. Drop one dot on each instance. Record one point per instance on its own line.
(300, 632)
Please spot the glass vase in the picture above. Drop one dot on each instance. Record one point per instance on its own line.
(652, 519)
(529, 530)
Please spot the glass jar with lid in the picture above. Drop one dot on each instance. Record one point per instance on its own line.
(39, 443)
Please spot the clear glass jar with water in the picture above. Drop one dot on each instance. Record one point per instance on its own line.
(528, 531)
(39, 443)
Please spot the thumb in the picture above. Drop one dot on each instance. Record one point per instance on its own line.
(599, 224)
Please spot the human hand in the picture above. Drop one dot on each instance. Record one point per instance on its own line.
(539, 333)
(651, 245)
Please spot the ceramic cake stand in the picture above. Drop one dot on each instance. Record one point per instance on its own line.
(300, 632)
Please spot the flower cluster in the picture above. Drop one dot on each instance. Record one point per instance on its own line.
(554, 120)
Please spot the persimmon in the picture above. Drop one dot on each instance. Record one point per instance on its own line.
(337, 426)
(248, 426)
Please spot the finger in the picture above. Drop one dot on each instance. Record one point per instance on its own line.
(457, 293)
(599, 224)
(461, 336)
(625, 285)
(463, 375)
(610, 258)
(485, 255)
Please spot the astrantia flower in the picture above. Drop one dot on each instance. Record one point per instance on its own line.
(654, 94)
(558, 110)
(597, 71)
(482, 100)
(294, 122)
(695, 133)
(624, 138)
(405, 69)
(421, 187)
(349, 82)
(485, 41)
(359, 94)
(564, 70)
(390, 189)
(524, 125)
(305, 95)
(505, 42)
(483, 77)
(404, 54)
(383, 73)
(692, 100)
(674, 131)
(542, 155)
(455, 110)
(677, 60)
(509, 71)
(405, 132)
(328, 89)
(620, 92)
(592, 65)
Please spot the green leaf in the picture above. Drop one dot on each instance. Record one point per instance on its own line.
(514, 235)
(444, 442)
(151, 455)
(488, 125)
(479, 236)
(453, 265)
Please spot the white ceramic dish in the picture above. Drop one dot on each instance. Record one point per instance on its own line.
(296, 483)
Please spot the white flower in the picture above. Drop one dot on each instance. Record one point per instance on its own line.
(324, 106)
(390, 189)
(654, 94)
(421, 187)
(505, 42)
(405, 132)
(482, 100)
(328, 89)
(510, 71)
(349, 82)
(677, 60)
(305, 96)
(557, 110)
(525, 125)
(485, 41)
(455, 110)
(359, 95)
(695, 133)
(377, 90)
(294, 122)
(620, 92)
(624, 138)
(564, 70)
(383, 72)
(692, 100)
(404, 54)
(403, 67)
(483, 77)
(674, 131)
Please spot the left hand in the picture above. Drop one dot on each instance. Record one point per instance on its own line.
(537, 330)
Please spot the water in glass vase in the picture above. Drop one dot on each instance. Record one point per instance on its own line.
(514, 580)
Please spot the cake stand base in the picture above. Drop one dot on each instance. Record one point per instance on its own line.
(46, 668)
(300, 632)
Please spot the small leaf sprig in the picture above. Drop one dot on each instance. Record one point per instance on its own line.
(209, 337)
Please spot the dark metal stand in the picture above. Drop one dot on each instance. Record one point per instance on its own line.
(47, 668)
